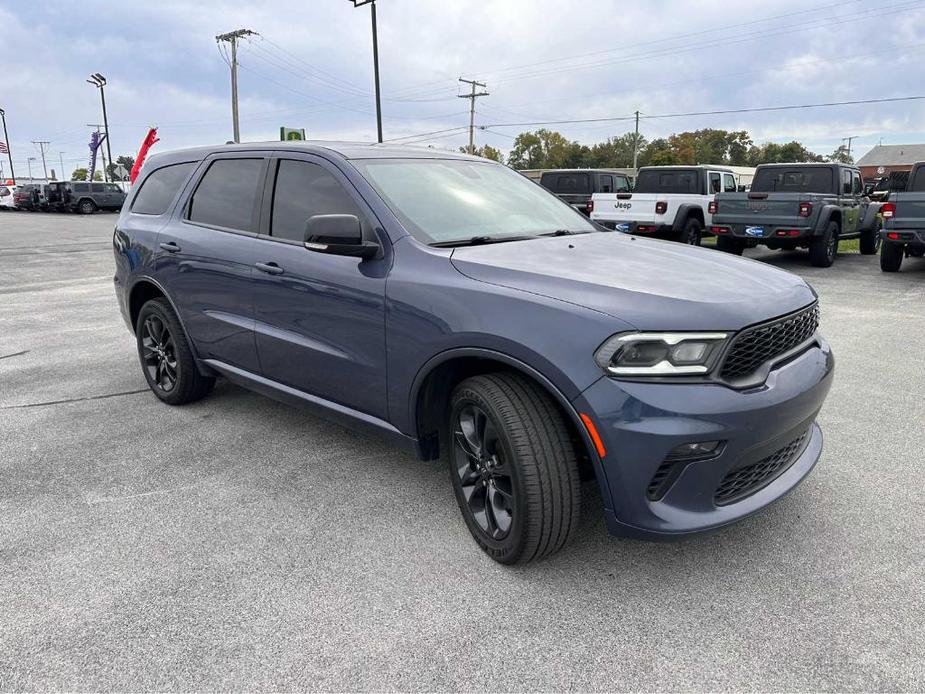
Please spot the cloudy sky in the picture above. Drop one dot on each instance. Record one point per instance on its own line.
(543, 60)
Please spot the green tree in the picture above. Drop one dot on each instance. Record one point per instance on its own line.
(615, 152)
(485, 151)
(546, 149)
(79, 174)
(841, 156)
(658, 153)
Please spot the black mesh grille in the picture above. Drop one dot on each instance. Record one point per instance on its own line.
(756, 345)
(745, 481)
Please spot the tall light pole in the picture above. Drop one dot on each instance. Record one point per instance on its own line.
(372, 4)
(6, 141)
(98, 81)
(29, 161)
(61, 159)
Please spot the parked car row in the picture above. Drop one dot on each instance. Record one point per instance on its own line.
(63, 196)
(788, 206)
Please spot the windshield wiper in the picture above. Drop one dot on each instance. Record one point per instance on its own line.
(565, 232)
(479, 241)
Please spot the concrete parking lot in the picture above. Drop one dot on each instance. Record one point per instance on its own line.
(239, 543)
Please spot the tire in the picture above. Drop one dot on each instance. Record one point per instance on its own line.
(870, 240)
(161, 340)
(692, 232)
(86, 207)
(823, 249)
(729, 245)
(513, 467)
(891, 256)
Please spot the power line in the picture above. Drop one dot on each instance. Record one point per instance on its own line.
(433, 132)
(759, 109)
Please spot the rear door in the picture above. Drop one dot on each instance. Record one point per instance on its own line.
(206, 257)
(320, 319)
(850, 201)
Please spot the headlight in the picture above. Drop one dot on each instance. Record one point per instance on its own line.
(660, 354)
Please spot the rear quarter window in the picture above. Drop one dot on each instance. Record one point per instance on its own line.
(567, 183)
(814, 179)
(670, 181)
(160, 188)
(81, 187)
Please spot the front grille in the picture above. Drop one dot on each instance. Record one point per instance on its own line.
(759, 344)
(745, 481)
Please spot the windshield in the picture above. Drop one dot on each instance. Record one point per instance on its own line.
(668, 181)
(809, 179)
(447, 200)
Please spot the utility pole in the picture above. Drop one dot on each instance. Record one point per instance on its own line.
(29, 161)
(6, 141)
(61, 159)
(232, 38)
(636, 145)
(360, 3)
(42, 144)
(848, 140)
(472, 96)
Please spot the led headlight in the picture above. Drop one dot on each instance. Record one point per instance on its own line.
(660, 354)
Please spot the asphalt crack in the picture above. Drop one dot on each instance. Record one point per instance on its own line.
(69, 400)
(14, 354)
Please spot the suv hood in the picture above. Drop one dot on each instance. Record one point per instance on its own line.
(653, 285)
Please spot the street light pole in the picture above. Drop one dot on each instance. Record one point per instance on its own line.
(360, 3)
(6, 140)
(29, 161)
(98, 81)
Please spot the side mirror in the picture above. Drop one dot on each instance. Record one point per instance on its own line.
(338, 234)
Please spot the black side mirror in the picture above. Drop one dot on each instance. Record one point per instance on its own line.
(338, 234)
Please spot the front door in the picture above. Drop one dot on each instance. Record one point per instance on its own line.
(320, 319)
(206, 258)
(850, 203)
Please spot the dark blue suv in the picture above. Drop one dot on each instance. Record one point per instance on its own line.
(467, 314)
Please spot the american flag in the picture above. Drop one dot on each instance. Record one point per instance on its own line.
(3, 148)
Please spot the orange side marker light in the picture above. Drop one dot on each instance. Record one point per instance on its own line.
(595, 437)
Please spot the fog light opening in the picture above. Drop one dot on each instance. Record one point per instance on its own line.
(695, 450)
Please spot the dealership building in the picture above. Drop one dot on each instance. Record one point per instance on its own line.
(882, 160)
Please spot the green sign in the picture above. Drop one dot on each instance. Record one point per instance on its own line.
(292, 133)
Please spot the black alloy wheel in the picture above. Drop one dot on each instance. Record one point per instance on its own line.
(86, 207)
(158, 354)
(485, 475)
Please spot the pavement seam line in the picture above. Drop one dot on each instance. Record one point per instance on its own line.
(69, 400)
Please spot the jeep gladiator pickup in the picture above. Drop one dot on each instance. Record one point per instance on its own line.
(668, 202)
(903, 232)
(793, 206)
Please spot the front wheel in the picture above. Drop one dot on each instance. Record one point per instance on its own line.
(86, 207)
(891, 257)
(513, 467)
(727, 244)
(870, 240)
(166, 358)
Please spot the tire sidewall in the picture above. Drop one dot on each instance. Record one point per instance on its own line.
(693, 232)
(512, 544)
(85, 207)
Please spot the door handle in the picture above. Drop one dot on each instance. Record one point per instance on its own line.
(270, 268)
(170, 247)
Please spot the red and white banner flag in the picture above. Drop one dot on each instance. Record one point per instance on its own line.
(4, 149)
(150, 139)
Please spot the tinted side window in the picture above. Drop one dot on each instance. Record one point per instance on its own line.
(856, 187)
(729, 183)
(81, 187)
(715, 186)
(846, 182)
(918, 182)
(606, 184)
(96, 187)
(810, 179)
(623, 184)
(303, 190)
(227, 194)
(160, 188)
(669, 181)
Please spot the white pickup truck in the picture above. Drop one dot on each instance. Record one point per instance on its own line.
(672, 202)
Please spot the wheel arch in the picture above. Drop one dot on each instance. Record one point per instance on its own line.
(686, 212)
(430, 394)
(830, 213)
(143, 290)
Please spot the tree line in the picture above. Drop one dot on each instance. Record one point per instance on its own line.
(548, 149)
(126, 161)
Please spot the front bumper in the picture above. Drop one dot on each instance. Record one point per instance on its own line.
(640, 423)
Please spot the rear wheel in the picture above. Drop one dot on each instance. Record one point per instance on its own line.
(728, 244)
(86, 207)
(870, 240)
(891, 257)
(692, 232)
(513, 467)
(166, 358)
(824, 248)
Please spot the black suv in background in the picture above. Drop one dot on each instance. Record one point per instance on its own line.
(576, 186)
(83, 196)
